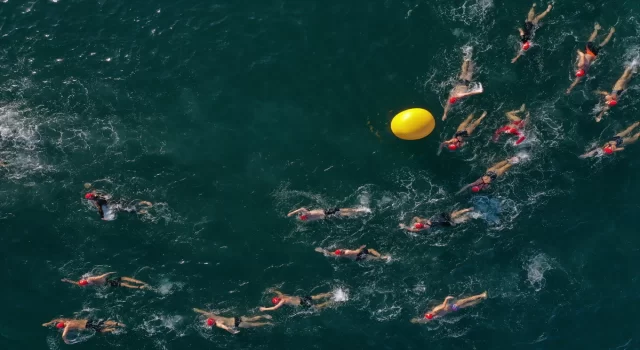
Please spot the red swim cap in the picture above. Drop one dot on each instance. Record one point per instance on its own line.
(475, 189)
(452, 147)
(89, 196)
(83, 283)
(608, 150)
(612, 103)
(60, 325)
(303, 217)
(275, 300)
(428, 316)
(526, 46)
(520, 140)
(418, 225)
(513, 131)
(453, 100)
(211, 321)
(580, 73)
(338, 252)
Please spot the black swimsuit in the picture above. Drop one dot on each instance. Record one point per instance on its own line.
(442, 220)
(114, 282)
(528, 31)
(461, 133)
(237, 321)
(595, 49)
(618, 140)
(96, 326)
(333, 211)
(362, 255)
(306, 301)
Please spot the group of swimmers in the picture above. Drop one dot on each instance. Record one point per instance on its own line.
(517, 121)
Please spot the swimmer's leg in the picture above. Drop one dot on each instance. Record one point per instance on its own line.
(498, 165)
(532, 13)
(628, 72)
(608, 38)
(467, 74)
(542, 15)
(323, 305)
(129, 279)
(628, 130)
(374, 253)
(254, 324)
(632, 139)
(255, 318)
(457, 213)
(321, 296)
(471, 301)
(132, 286)
(512, 114)
(475, 124)
(466, 122)
(593, 36)
(502, 170)
(464, 69)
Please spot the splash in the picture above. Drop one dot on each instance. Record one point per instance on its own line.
(536, 268)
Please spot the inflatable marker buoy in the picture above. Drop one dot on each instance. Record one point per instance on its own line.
(413, 124)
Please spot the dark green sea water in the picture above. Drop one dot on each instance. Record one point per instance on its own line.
(228, 114)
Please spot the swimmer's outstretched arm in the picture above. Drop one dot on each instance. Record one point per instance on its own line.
(466, 187)
(297, 211)
(600, 92)
(575, 83)
(589, 154)
(599, 117)
(276, 307)
(323, 251)
(419, 320)
(447, 107)
(69, 281)
(517, 57)
(105, 275)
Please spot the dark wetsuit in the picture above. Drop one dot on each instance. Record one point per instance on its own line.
(306, 301)
(618, 140)
(334, 211)
(237, 321)
(97, 326)
(362, 255)
(114, 282)
(528, 31)
(461, 133)
(100, 201)
(442, 220)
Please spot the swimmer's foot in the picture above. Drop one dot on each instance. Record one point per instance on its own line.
(484, 295)
(514, 160)
(148, 204)
(268, 317)
(523, 108)
(598, 119)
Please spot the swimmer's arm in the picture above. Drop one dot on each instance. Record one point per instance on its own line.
(64, 335)
(419, 320)
(68, 281)
(574, 84)
(296, 211)
(103, 275)
(589, 154)
(516, 58)
(50, 323)
(230, 330)
(465, 188)
(203, 312)
(446, 300)
(618, 149)
(446, 110)
(273, 308)
(600, 92)
(599, 117)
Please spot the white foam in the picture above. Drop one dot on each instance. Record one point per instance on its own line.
(340, 295)
(536, 268)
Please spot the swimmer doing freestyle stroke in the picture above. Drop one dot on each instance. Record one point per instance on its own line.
(69, 324)
(465, 129)
(463, 87)
(231, 324)
(360, 254)
(616, 143)
(530, 26)
(442, 220)
(102, 202)
(515, 126)
(305, 214)
(611, 99)
(306, 301)
(106, 280)
(586, 59)
(450, 304)
(491, 175)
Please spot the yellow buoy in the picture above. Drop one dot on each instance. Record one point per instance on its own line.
(413, 124)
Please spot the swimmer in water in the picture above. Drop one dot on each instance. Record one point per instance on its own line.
(305, 214)
(306, 301)
(587, 58)
(463, 87)
(611, 99)
(101, 200)
(515, 126)
(442, 220)
(530, 25)
(105, 279)
(359, 254)
(69, 324)
(231, 324)
(465, 129)
(491, 175)
(450, 304)
(616, 144)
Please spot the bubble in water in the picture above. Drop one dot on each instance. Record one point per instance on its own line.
(340, 295)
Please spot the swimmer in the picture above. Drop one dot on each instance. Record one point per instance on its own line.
(305, 214)
(450, 304)
(491, 175)
(231, 324)
(442, 220)
(100, 200)
(611, 99)
(463, 87)
(515, 126)
(587, 58)
(465, 129)
(530, 25)
(359, 254)
(306, 301)
(105, 279)
(69, 324)
(616, 144)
